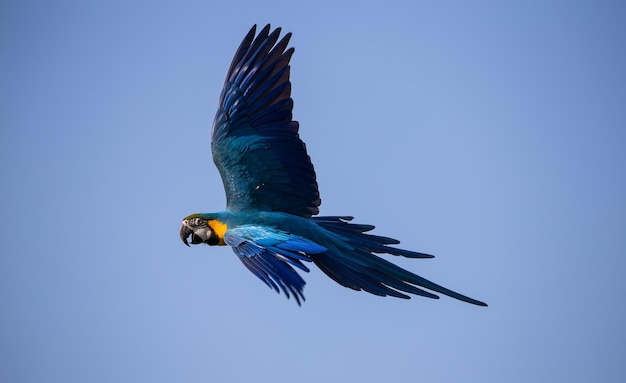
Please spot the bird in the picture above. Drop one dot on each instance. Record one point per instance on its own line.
(271, 217)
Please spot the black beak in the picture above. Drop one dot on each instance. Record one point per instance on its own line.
(185, 232)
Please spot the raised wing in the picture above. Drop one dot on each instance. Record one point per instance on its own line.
(270, 255)
(256, 147)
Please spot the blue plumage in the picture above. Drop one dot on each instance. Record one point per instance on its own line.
(256, 147)
(270, 253)
(272, 193)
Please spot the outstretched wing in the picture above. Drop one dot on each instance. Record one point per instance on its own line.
(256, 147)
(270, 255)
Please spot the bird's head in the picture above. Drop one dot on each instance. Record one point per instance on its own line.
(202, 229)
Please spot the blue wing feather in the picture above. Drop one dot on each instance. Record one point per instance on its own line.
(255, 143)
(269, 254)
(356, 232)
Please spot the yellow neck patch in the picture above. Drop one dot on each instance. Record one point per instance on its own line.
(219, 228)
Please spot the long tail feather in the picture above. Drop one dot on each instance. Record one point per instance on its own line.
(353, 263)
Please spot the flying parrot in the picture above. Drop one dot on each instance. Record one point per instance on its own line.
(272, 194)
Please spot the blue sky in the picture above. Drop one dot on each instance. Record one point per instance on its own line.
(490, 134)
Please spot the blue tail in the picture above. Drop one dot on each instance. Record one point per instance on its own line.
(353, 263)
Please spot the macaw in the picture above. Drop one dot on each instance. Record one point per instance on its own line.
(272, 193)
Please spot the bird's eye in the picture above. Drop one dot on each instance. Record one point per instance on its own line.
(198, 222)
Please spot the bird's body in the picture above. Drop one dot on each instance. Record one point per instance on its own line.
(272, 194)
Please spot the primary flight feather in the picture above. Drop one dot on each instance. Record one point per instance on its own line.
(272, 195)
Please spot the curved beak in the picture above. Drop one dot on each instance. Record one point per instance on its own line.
(185, 232)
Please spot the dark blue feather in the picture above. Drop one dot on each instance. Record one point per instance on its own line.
(355, 233)
(352, 263)
(255, 143)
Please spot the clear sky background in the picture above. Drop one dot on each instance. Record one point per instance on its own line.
(491, 134)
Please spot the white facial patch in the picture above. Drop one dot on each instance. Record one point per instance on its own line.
(202, 232)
